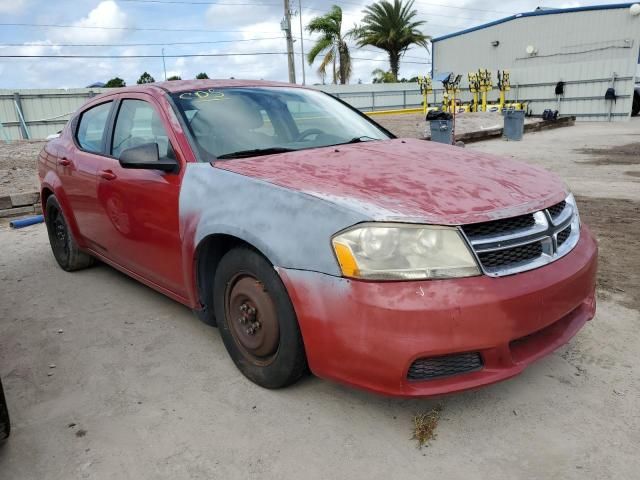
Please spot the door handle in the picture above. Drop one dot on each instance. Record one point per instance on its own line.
(64, 161)
(108, 175)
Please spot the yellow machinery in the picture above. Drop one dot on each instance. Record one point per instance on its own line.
(504, 85)
(426, 87)
(484, 79)
(451, 87)
(474, 88)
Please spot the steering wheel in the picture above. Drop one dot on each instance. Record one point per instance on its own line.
(309, 132)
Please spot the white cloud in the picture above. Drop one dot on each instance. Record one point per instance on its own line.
(107, 14)
(234, 17)
(13, 6)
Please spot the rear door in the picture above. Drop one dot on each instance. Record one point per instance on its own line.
(78, 162)
(140, 224)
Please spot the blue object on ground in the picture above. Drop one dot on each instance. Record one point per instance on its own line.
(25, 222)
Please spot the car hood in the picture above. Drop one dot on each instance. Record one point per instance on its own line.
(410, 180)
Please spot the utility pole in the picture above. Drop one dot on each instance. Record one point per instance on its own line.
(164, 66)
(286, 26)
(304, 77)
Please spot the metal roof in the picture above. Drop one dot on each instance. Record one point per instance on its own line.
(535, 13)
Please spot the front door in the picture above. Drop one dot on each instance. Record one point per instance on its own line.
(140, 207)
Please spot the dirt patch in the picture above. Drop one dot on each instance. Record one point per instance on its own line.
(621, 155)
(18, 167)
(424, 426)
(615, 224)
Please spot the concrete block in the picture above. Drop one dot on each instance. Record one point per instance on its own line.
(12, 212)
(5, 202)
(24, 199)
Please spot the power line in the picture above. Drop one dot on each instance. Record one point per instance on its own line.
(186, 55)
(150, 29)
(204, 42)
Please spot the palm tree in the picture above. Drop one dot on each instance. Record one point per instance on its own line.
(332, 44)
(380, 76)
(392, 28)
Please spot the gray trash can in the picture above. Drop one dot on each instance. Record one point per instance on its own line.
(513, 124)
(442, 131)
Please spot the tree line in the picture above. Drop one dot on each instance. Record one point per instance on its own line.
(146, 77)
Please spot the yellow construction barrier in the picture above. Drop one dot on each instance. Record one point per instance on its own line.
(484, 78)
(426, 87)
(504, 85)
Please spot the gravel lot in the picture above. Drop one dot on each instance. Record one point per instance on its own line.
(18, 167)
(141, 389)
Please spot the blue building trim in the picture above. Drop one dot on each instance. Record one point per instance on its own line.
(534, 14)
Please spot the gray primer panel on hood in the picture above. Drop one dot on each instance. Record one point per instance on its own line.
(291, 228)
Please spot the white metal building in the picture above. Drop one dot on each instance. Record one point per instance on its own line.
(589, 48)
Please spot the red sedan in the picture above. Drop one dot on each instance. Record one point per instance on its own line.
(316, 240)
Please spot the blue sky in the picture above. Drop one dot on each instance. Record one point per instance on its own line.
(244, 25)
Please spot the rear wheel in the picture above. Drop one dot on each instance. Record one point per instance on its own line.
(257, 321)
(5, 424)
(63, 246)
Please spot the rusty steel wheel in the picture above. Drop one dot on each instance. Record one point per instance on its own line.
(63, 246)
(256, 319)
(251, 314)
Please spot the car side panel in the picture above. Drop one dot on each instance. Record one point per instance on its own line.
(50, 180)
(292, 229)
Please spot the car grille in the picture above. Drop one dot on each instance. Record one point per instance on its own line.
(557, 209)
(521, 243)
(437, 367)
(499, 227)
(510, 256)
(564, 235)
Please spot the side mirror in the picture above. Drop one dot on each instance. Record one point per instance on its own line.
(147, 157)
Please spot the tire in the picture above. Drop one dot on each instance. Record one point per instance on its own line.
(635, 109)
(5, 424)
(257, 321)
(64, 248)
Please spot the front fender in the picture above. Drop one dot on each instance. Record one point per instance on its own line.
(291, 228)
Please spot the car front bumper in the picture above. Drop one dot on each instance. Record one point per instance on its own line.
(368, 334)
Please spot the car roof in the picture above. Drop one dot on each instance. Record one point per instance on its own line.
(185, 85)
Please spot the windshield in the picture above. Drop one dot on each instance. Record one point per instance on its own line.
(236, 122)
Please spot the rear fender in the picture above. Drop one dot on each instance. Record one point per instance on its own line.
(52, 182)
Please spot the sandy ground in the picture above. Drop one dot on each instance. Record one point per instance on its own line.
(141, 389)
(18, 167)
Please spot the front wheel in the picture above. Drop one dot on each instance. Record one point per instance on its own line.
(257, 321)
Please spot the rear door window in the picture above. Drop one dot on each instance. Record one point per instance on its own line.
(92, 126)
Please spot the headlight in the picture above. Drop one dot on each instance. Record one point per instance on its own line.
(391, 251)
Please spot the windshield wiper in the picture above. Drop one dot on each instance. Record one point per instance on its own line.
(362, 139)
(255, 152)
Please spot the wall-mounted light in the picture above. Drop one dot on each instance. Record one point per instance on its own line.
(634, 9)
(531, 50)
(495, 43)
